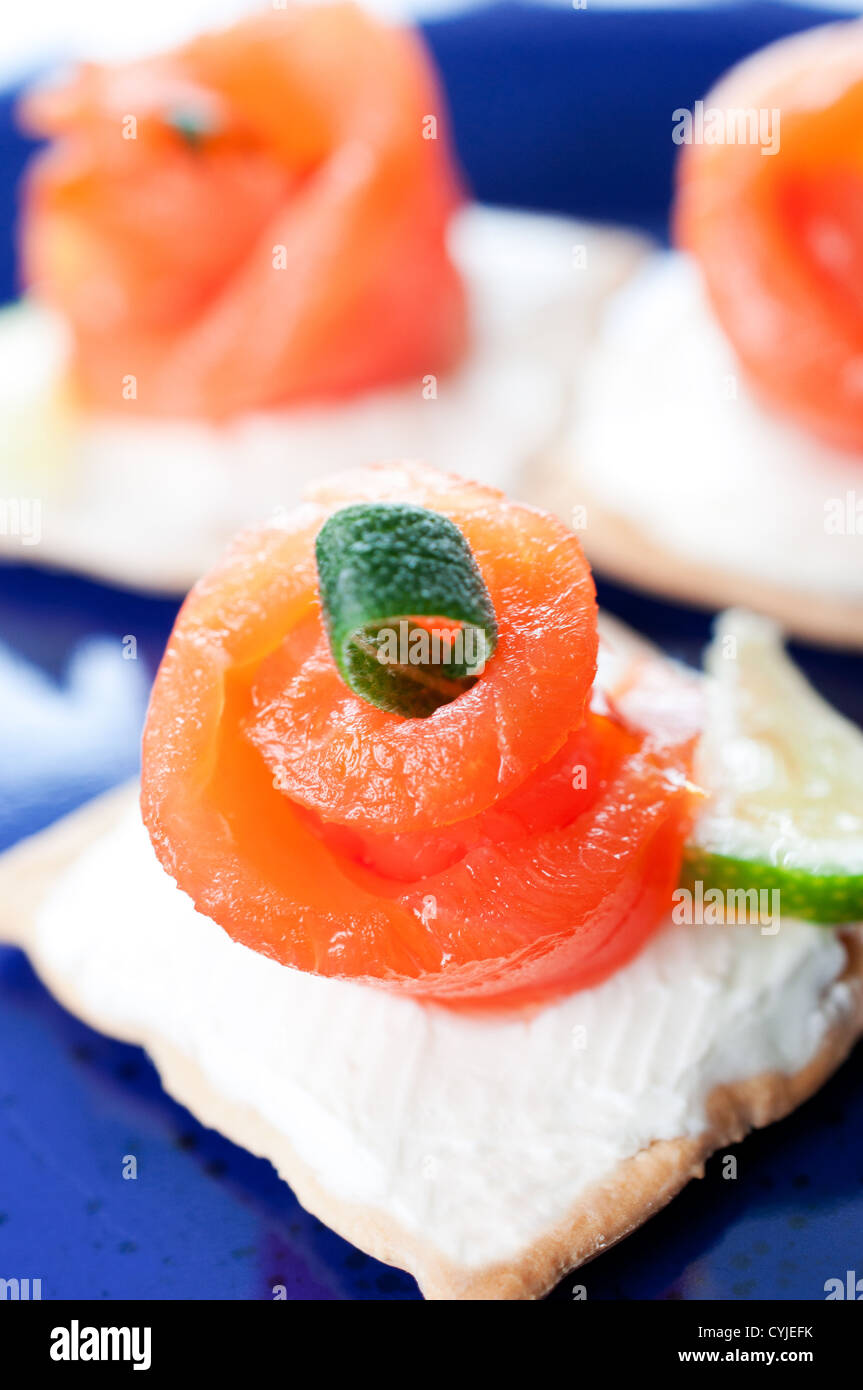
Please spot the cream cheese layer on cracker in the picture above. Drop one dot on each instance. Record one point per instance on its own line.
(668, 439)
(152, 503)
(475, 1134)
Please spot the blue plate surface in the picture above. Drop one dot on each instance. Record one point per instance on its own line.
(546, 114)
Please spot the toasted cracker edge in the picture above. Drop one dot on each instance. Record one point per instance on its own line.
(620, 550)
(607, 1212)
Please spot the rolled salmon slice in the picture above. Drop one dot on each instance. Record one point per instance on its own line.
(255, 219)
(774, 215)
(509, 847)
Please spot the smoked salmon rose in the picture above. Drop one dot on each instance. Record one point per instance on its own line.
(778, 230)
(256, 219)
(509, 847)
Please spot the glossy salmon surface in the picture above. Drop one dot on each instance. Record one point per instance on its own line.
(775, 220)
(509, 847)
(255, 219)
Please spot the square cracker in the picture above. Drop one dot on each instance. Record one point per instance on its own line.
(608, 1211)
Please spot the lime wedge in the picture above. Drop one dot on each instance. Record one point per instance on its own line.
(784, 773)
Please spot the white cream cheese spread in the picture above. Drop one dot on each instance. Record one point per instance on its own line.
(668, 438)
(152, 503)
(475, 1134)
